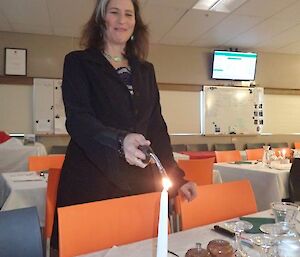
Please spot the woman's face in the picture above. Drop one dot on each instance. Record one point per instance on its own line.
(120, 21)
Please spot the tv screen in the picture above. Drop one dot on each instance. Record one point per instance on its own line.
(234, 65)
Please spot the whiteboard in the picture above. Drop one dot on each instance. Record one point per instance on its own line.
(43, 106)
(232, 110)
(59, 109)
(48, 108)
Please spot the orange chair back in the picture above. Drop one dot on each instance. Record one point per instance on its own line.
(98, 225)
(255, 154)
(36, 163)
(198, 170)
(228, 156)
(218, 202)
(288, 151)
(53, 180)
(297, 145)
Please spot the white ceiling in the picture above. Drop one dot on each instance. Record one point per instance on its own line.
(260, 25)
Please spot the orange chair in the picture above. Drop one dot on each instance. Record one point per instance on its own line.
(36, 163)
(254, 154)
(288, 151)
(98, 225)
(198, 170)
(217, 202)
(51, 195)
(297, 145)
(53, 180)
(228, 156)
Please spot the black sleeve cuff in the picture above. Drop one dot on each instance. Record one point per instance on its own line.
(121, 137)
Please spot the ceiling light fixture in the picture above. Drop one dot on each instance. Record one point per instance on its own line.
(215, 5)
(226, 6)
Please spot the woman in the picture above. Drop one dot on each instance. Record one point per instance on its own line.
(112, 107)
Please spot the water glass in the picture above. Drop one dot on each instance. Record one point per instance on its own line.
(285, 212)
(289, 247)
(238, 227)
(267, 244)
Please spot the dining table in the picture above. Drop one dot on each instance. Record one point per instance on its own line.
(268, 182)
(14, 154)
(24, 189)
(180, 242)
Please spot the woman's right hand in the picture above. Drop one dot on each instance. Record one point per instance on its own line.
(133, 155)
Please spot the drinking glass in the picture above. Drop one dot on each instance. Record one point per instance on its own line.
(289, 247)
(266, 156)
(238, 227)
(266, 243)
(285, 212)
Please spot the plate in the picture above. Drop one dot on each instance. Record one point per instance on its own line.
(276, 229)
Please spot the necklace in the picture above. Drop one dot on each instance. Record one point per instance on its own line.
(114, 58)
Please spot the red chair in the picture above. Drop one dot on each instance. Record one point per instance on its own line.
(217, 202)
(200, 171)
(297, 145)
(228, 156)
(53, 180)
(90, 227)
(254, 154)
(199, 154)
(55, 161)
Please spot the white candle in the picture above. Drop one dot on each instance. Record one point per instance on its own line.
(162, 240)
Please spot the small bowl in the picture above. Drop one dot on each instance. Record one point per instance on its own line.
(220, 248)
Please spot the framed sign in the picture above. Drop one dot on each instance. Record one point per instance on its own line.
(15, 61)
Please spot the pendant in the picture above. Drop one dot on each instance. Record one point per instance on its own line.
(113, 58)
(117, 58)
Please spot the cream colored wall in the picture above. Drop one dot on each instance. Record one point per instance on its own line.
(191, 65)
(16, 108)
(45, 54)
(181, 111)
(183, 65)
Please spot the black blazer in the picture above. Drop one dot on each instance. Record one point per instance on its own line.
(98, 108)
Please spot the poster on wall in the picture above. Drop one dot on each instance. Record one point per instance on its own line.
(15, 61)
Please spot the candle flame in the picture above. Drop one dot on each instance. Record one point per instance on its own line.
(166, 183)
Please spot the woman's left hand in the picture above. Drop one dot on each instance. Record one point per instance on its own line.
(189, 191)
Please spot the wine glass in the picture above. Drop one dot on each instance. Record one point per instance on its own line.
(281, 234)
(266, 155)
(266, 243)
(238, 227)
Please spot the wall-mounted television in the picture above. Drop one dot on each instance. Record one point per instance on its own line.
(234, 65)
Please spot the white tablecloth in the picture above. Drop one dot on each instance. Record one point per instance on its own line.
(23, 189)
(179, 243)
(268, 184)
(14, 155)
